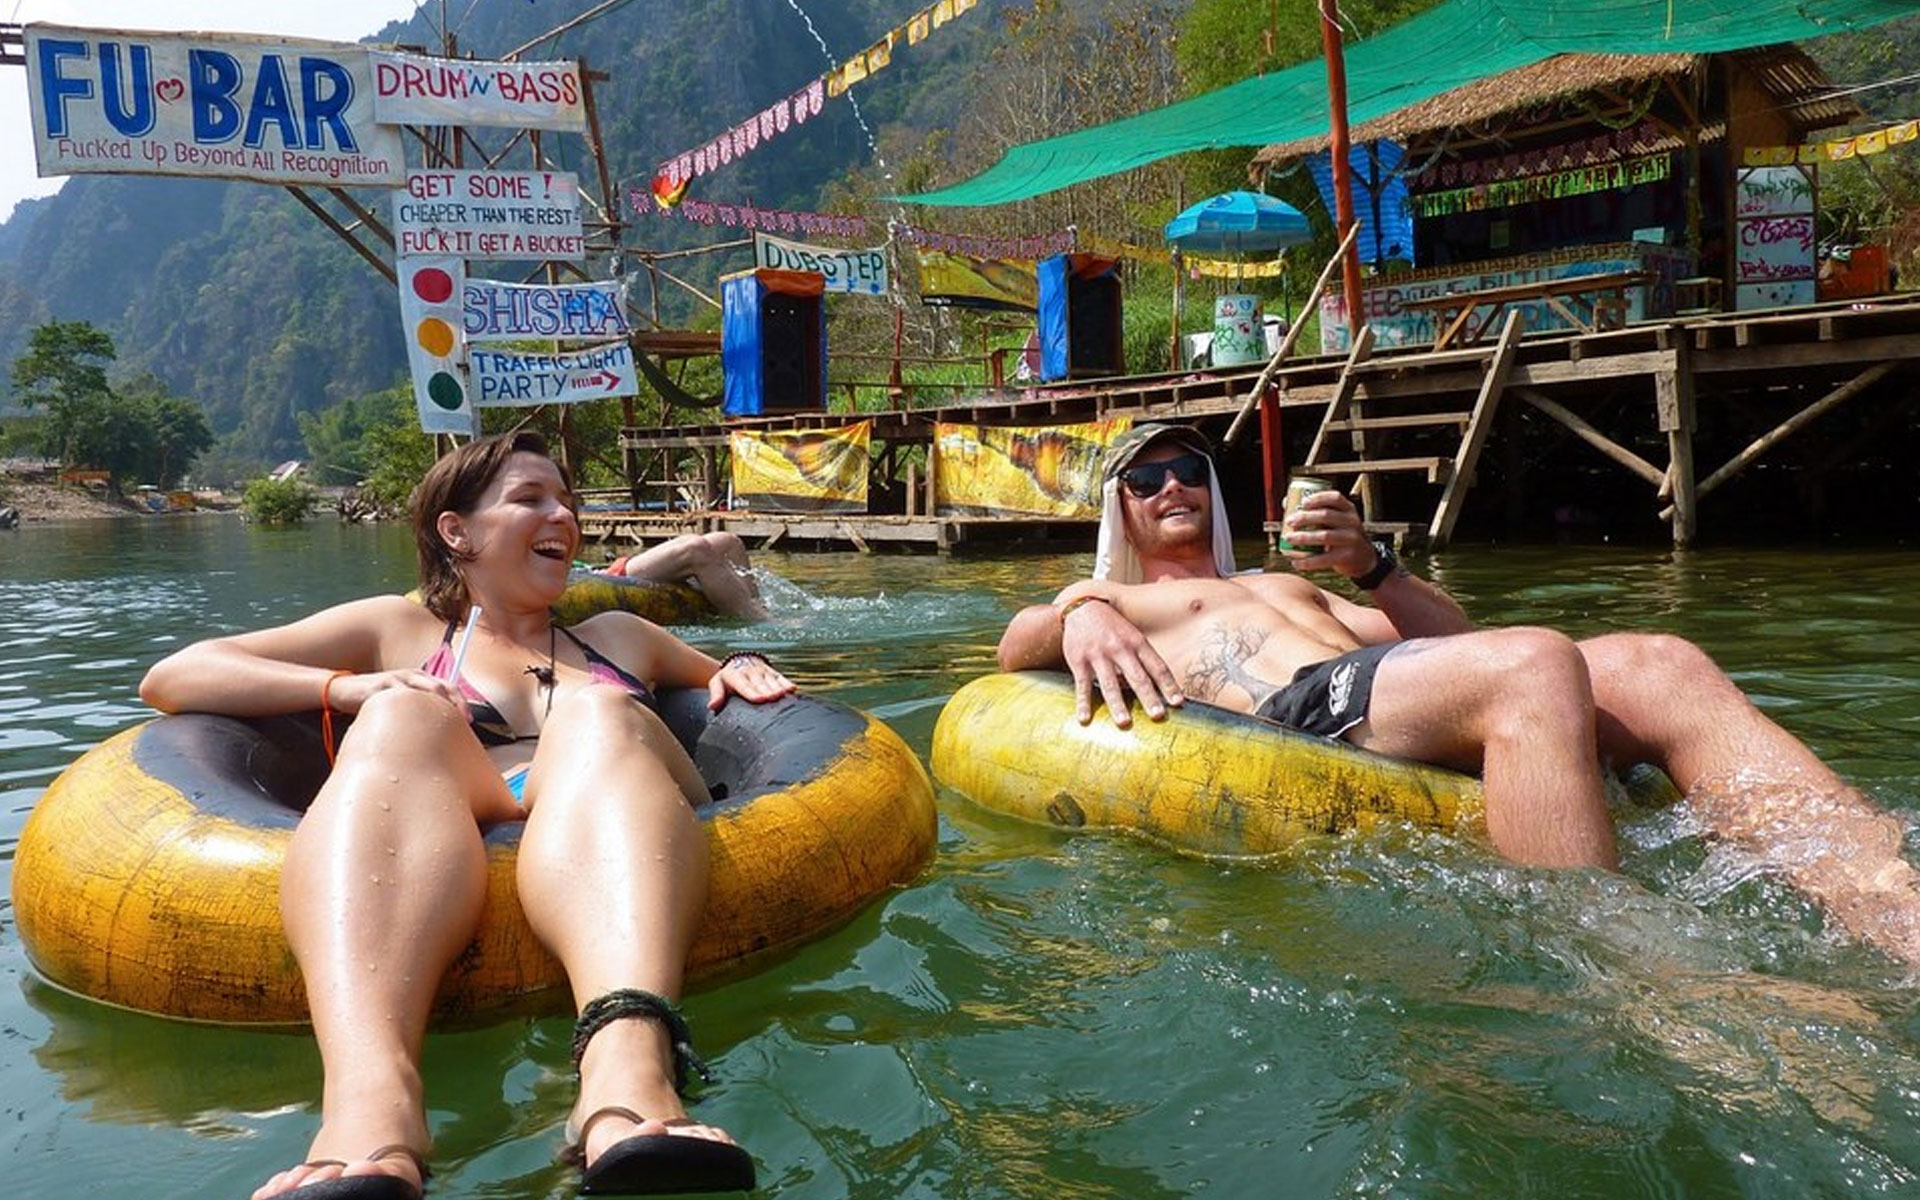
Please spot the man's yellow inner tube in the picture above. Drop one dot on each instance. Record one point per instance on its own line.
(1205, 780)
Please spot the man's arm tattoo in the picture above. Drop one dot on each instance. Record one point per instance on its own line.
(1221, 662)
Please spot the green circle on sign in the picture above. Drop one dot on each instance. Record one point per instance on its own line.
(444, 390)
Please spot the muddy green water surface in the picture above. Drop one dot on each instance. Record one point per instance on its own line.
(1054, 1016)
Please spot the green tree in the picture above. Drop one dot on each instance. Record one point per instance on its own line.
(336, 438)
(170, 432)
(64, 371)
(397, 454)
(140, 433)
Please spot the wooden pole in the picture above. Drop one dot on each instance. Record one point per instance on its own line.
(1673, 402)
(1341, 150)
(1176, 360)
(1790, 426)
(1273, 464)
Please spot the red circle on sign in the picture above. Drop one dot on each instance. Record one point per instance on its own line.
(433, 285)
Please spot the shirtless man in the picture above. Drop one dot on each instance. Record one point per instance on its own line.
(1536, 714)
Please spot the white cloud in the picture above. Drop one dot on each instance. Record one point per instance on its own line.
(336, 20)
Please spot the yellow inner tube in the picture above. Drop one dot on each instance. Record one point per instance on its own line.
(1205, 779)
(590, 593)
(148, 876)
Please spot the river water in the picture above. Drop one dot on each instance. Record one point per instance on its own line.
(1053, 1016)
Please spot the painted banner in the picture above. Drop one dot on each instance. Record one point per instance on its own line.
(277, 110)
(961, 281)
(492, 311)
(860, 272)
(502, 378)
(436, 354)
(814, 470)
(1580, 181)
(415, 89)
(1773, 253)
(1050, 471)
(490, 214)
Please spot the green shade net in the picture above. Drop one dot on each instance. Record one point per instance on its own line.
(1442, 49)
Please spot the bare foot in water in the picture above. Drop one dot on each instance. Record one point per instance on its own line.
(1832, 844)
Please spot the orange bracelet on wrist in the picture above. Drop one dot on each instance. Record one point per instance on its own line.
(1066, 610)
(326, 714)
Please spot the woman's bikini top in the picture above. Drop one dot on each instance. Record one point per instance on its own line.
(495, 730)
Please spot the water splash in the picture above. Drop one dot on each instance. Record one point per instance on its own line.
(873, 143)
(796, 616)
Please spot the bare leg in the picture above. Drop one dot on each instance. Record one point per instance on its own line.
(383, 884)
(1662, 700)
(1515, 705)
(613, 878)
(717, 560)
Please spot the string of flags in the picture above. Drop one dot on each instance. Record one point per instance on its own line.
(1875, 141)
(1033, 246)
(1595, 151)
(789, 112)
(777, 220)
(1198, 268)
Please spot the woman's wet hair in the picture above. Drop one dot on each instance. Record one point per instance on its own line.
(455, 484)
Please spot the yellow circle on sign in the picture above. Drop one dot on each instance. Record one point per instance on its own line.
(435, 337)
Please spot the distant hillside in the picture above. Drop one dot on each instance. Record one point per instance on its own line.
(234, 294)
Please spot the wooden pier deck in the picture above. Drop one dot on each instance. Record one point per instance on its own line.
(1656, 419)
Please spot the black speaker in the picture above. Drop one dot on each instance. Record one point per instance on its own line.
(1095, 343)
(790, 352)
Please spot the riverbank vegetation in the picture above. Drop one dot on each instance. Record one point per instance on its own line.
(126, 434)
(278, 501)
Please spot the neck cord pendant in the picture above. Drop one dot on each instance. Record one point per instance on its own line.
(544, 675)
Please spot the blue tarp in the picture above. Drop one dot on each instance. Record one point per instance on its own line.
(1057, 317)
(740, 344)
(1381, 202)
(1053, 317)
(744, 345)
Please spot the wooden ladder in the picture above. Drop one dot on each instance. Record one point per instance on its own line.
(1366, 419)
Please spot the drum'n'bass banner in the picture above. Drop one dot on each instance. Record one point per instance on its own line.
(814, 470)
(1051, 471)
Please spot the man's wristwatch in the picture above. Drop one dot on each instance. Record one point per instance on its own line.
(1385, 567)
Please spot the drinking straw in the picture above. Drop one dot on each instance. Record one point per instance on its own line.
(466, 640)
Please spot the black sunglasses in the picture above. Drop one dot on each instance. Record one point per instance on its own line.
(1146, 480)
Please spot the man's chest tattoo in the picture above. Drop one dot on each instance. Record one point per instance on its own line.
(1221, 662)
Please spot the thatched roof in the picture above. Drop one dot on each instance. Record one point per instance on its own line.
(1800, 88)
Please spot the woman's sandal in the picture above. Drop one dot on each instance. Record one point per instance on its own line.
(653, 1164)
(365, 1187)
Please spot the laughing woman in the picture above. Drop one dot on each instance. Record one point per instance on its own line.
(472, 709)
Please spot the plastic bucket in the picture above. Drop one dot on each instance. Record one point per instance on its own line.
(1237, 335)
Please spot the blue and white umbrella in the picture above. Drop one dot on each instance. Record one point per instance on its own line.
(1239, 221)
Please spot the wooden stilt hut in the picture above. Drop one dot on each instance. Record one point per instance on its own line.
(1607, 205)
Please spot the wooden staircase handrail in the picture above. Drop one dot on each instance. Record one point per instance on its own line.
(1293, 336)
(1342, 392)
(1479, 427)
